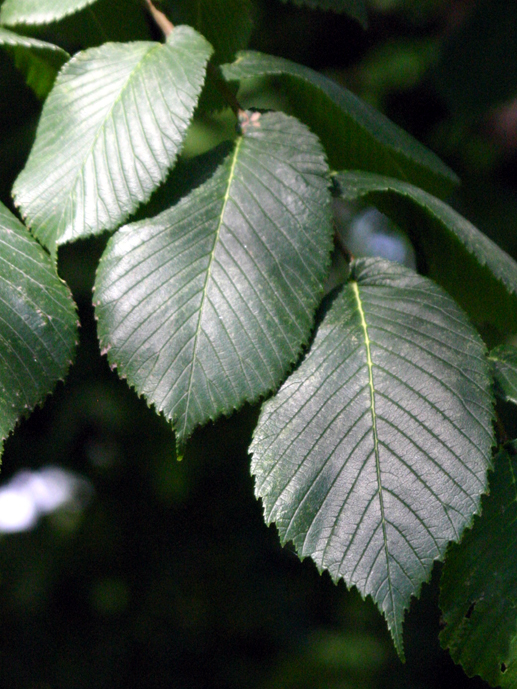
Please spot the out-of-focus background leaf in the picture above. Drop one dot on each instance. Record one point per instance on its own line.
(137, 570)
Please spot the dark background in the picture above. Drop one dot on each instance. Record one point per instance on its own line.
(167, 575)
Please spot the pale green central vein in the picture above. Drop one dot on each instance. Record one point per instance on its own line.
(369, 363)
(207, 280)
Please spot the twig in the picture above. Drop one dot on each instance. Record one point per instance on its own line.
(161, 20)
(341, 246)
(227, 94)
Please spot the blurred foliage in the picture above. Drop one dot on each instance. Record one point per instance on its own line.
(169, 578)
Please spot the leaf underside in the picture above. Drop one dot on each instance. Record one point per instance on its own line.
(110, 130)
(355, 135)
(504, 368)
(15, 12)
(373, 454)
(355, 8)
(207, 305)
(38, 61)
(486, 285)
(478, 588)
(38, 325)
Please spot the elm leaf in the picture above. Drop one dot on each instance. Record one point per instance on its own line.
(109, 132)
(38, 323)
(373, 454)
(208, 304)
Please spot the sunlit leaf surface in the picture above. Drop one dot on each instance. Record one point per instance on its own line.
(373, 454)
(208, 304)
(15, 12)
(109, 132)
(37, 323)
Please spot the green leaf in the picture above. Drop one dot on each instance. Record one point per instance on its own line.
(109, 132)
(486, 285)
(479, 584)
(15, 12)
(226, 24)
(504, 369)
(207, 305)
(38, 61)
(37, 323)
(373, 454)
(355, 135)
(355, 8)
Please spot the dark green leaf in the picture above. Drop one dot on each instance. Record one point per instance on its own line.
(37, 323)
(504, 368)
(355, 8)
(486, 284)
(208, 304)
(15, 12)
(38, 61)
(225, 23)
(109, 132)
(479, 585)
(355, 135)
(373, 454)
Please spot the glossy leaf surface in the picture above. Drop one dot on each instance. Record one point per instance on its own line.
(208, 304)
(38, 61)
(486, 285)
(109, 132)
(15, 12)
(504, 368)
(355, 8)
(37, 323)
(355, 135)
(478, 588)
(373, 454)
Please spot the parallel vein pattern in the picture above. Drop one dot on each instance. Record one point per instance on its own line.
(373, 454)
(208, 304)
(355, 135)
(109, 132)
(15, 12)
(37, 323)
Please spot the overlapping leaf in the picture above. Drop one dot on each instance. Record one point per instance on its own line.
(15, 12)
(355, 8)
(355, 135)
(38, 61)
(207, 305)
(486, 286)
(108, 134)
(478, 588)
(504, 369)
(373, 454)
(37, 323)
(225, 23)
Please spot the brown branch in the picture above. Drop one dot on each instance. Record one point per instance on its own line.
(161, 20)
(226, 93)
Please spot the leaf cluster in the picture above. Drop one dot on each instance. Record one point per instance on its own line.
(374, 443)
